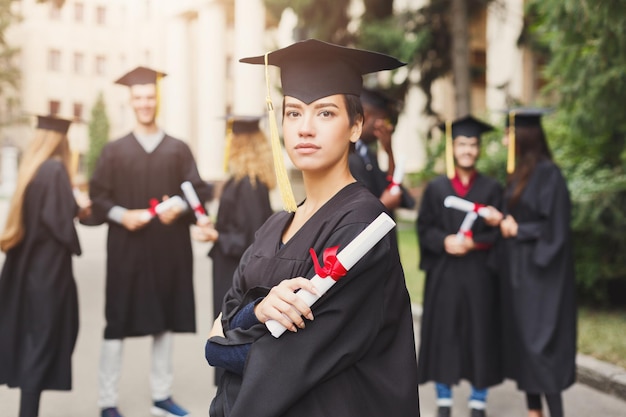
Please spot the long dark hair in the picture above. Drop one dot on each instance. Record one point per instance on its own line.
(531, 147)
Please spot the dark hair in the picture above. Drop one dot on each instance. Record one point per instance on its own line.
(354, 108)
(531, 147)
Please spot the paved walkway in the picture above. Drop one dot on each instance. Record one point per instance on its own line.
(193, 386)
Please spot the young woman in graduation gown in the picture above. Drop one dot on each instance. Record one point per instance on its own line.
(538, 275)
(38, 298)
(353, 353)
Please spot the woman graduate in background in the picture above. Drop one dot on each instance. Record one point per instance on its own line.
(38, 298)
(244, 204)
(539, 308)
(353, 353)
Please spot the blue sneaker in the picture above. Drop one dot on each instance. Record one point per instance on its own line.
(110, 412)
(168, 408)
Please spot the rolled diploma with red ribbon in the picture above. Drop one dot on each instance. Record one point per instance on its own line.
(398, 175)
(466, 226)
(347, 258)
(458, 203)
(194, 201)
(171, 202)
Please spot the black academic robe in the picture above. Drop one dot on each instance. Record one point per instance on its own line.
(538, 286)
(149, 287)
(459, 328)
(243, 209)
(357, 357)
(38, 297)
(366, 170)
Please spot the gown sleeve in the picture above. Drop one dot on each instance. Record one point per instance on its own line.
(59, 206)
(101, 187)
(251, 211)
(429, 227)
(554, 207)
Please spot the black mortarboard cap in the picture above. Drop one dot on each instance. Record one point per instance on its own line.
(313, 69)
(526, 116)
(468, 126)
(140, 75)
(244, 124)
(53, 123)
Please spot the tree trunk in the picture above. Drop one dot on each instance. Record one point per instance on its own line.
(459, 30)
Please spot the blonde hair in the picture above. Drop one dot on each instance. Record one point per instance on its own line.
(45, 144)
(250, 155)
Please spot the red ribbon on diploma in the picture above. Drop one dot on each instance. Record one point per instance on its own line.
(199, 210)
(332, 266)
(153, 203)
(478, 207)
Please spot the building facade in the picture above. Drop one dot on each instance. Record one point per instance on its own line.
(72, 54)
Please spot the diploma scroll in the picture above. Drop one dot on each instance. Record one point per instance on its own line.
(458, 203)
(347, 258)
(194, 201)
(398, 175)
(466, 226)
(163, 206)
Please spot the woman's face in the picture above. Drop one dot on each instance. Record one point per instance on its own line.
(318, 135)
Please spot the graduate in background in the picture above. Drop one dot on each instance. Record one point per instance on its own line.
(38, 297)
(244, 203)
(353, 353)
(537, 268)
(149, 286)
(459, 328)
(380, 117)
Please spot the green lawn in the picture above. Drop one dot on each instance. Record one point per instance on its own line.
(601, 333)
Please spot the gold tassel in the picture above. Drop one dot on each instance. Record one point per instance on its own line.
(450, 172)
(158, 94)
(229, 141)
(282, 178)
(510, 161)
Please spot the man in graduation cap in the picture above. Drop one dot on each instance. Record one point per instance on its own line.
(355, 355)
(149, 287)
(459, 328)
(380, 116)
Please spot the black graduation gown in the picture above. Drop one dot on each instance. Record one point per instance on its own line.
(538, 286)
(357, 358)
(243, 209)
(149, 287)
(460, 336)
(38, 298)
(367, 171)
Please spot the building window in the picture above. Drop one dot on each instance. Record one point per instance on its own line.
(101, 14)
(78, 112)
(100, 65)
(79, 63)
(79, 12)
(478, 67)
(54, 60)
(54, 106)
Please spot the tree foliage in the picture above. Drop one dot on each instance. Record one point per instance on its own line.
(585, 42)
(321, 19)
(98, 133)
